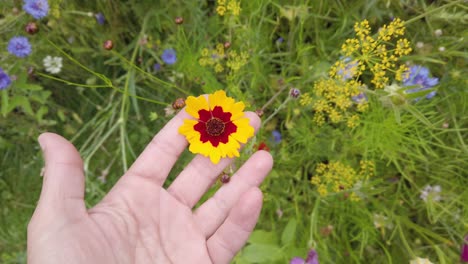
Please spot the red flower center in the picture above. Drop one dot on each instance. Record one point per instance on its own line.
(215, 126)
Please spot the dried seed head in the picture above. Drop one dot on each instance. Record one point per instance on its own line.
(31, 28)
(108, 44)
(179, 103)
(259, 112)
(179, 20)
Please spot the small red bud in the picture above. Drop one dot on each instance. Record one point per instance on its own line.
(259, 112)
(108, 44)
(31, 28)
(224, 178)
(179, 103)
(227, 45)
(263, 146)
(294, 93)
(179, 20)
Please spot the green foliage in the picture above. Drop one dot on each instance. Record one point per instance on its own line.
(111, 102)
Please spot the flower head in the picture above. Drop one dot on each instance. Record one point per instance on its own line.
(276, 136)
(464, 250)
(219, 126)
(52, 64)
(157, 67)
(312, 258)
(19, 46)
(36, 8)
(419, 77)
(294, 93)
(263, 146)
(169, 56)
(100, 18)
(431, 193)
(5, 80)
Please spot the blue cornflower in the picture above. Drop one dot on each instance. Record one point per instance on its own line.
(419, 77)
(5, 80)
(100, 18)
(19, 46)
(157, 67)
(276, 136)
(36, 8)
(169, 56)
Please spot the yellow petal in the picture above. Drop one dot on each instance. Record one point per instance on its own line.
(187, 126)
(195, 104)
(217, 98)
(237, 110)
(244, 130)
(215, 156)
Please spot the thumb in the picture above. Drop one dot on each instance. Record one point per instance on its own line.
(63, 184)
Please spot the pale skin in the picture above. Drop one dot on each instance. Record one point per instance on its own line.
(139, 221)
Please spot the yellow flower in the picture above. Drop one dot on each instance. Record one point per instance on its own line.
(221, 10)
(219, 126)
(219, 68)
(234, 7)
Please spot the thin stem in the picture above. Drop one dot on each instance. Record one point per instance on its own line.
(276, 111)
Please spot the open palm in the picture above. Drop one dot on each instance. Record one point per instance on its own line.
(139, 221)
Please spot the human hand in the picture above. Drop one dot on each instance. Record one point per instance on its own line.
(139, 221)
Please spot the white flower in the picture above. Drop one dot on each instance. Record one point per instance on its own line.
(421, 261)
(431, 193)
(52, 64)
(381, 221)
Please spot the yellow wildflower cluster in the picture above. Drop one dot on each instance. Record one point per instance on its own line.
(225, 6)
(333, 101)
(379, 53)
(336, 177)
(220, 59)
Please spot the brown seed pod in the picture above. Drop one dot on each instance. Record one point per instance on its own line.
(179, 103)
(179, 20)
(31, 28)
(108, 44)
(227, 45)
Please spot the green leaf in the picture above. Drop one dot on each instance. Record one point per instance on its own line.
(289, 232)
(30, 87)
(263, 237)
(20, 101)
(41, 112)
(257, 253)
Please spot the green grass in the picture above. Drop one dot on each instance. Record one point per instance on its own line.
(102, 100)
